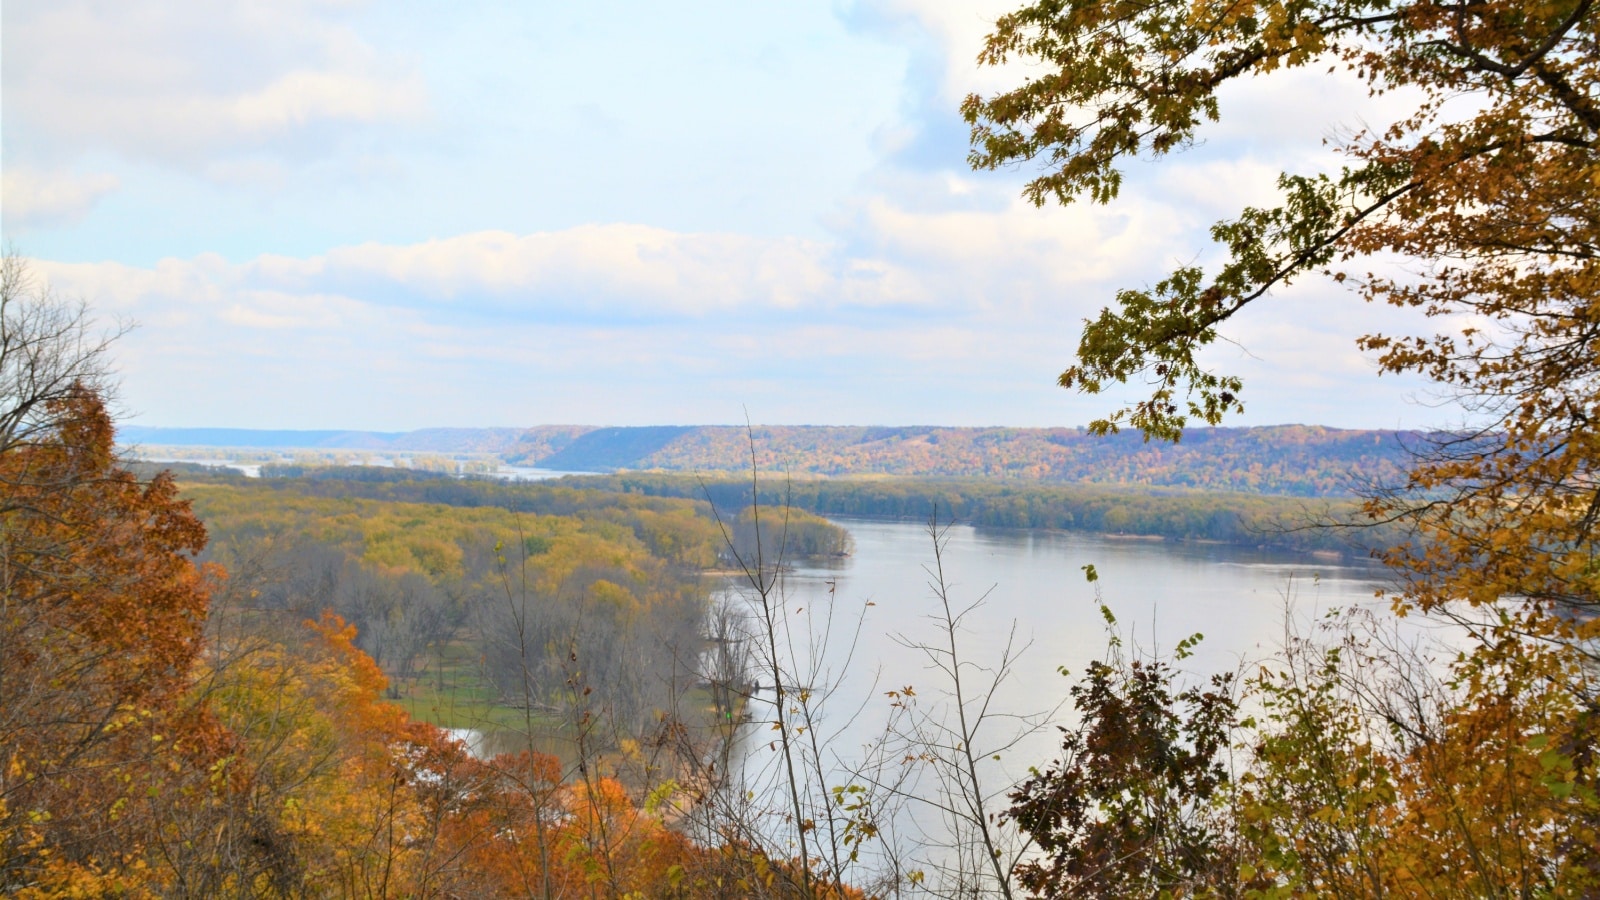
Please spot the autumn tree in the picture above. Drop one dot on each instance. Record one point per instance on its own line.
(50, 350)
(105, 749)
(1485, 193)
(1486, 188)
(101, 615)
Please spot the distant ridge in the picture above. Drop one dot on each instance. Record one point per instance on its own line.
(606, 449)
(1303, 460)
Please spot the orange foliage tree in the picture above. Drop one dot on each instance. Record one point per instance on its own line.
(101, 617)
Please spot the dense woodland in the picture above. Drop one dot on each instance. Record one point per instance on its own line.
(617, 586)
(203, 710)
(1255, 520)
(1245, 519)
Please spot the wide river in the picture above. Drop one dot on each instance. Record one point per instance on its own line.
(1035, 596)
(1160, 592)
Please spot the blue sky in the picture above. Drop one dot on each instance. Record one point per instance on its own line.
(340, 214)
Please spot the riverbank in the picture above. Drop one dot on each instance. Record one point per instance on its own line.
(1236, 519)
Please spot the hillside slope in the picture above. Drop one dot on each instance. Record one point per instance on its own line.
(1289, 459)
(1299, 460)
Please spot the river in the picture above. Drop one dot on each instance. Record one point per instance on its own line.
(1032, 593)
(1160, 592)
(863, 626)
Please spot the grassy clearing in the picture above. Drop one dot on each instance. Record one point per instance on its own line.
(452, 692)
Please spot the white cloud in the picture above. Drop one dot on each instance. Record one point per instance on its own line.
(623, 269)
(304, 97)
(29, 197)
(276, 310)
(1052, 247)
(635, 268)
(1055, 265)
(905, 321)
(187, 83)
(960, 27)
(965, 262)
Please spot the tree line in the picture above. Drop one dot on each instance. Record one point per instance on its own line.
(1281, 523)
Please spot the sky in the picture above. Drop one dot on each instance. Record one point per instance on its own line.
(387, 216)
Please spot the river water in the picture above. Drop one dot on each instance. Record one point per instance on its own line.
(860, 627)
(1033, 591)
(1026, 590)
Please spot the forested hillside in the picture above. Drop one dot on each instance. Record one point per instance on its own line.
(1291, 459)
(1296, 460)
(1246, 519)
(173, 729)
(203, 710)
(420, 579)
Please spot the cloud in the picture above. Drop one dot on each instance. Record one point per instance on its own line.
(184, 84)
(955, 316)
(1019, 245)
(888, 260)
(276, 310)
(962, 262)
(304, 97)
(660, 251)
(621, 267)
(892, 258)
(169, 290)
(959, 29)
(983, 255)
(29, 197)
